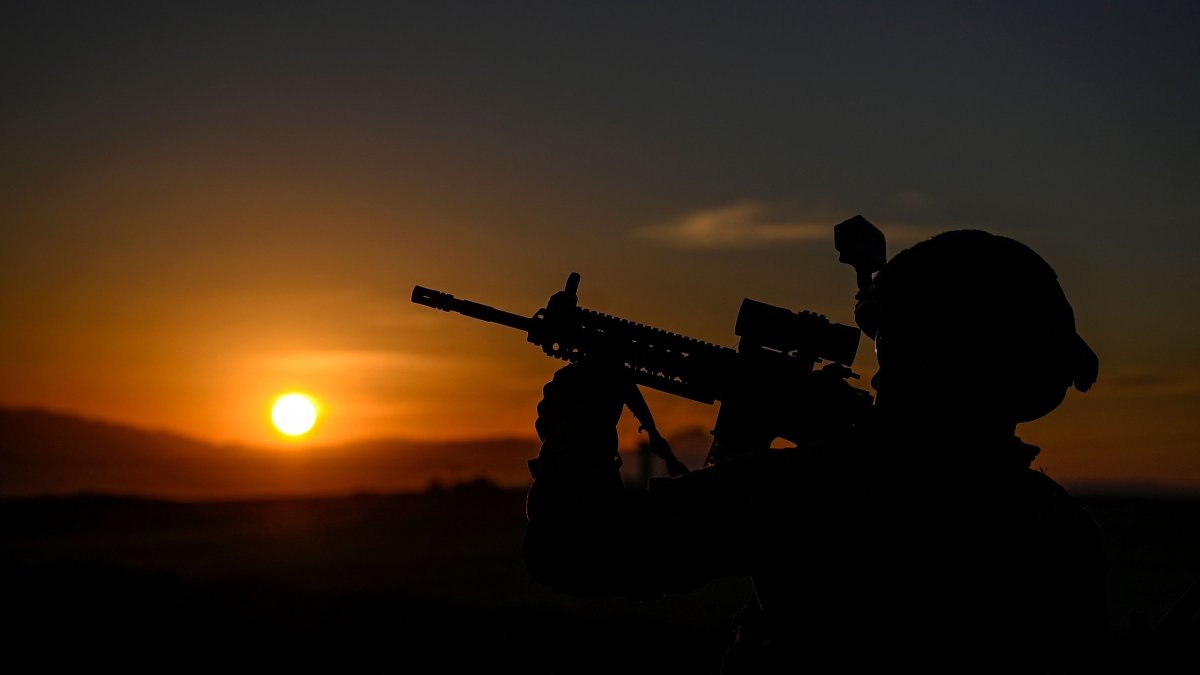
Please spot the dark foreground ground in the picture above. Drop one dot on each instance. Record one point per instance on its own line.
(402, 583)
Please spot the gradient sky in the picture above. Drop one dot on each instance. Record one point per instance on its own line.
(207, 204)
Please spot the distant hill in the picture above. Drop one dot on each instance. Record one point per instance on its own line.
(44, 453)
(48, 453)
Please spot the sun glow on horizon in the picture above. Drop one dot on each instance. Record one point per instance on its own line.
(294, 414)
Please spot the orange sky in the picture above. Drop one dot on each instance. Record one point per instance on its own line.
(202, 212)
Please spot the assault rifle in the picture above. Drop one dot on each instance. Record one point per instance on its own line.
(787, 378)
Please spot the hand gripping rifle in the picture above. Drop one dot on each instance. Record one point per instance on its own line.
(786, 379)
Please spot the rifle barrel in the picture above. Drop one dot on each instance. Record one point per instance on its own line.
(475, 310)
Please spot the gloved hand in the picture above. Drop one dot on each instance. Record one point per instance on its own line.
(582, 403)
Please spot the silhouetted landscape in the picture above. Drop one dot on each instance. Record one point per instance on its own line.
(355, 584)
(45, 453)
(387, 582)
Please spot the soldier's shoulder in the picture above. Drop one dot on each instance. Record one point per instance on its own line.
(1036, 484)
(1048, 504)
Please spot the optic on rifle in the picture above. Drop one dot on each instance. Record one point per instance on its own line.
(804, 334)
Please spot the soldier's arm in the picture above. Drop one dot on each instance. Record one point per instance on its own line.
(588, 536)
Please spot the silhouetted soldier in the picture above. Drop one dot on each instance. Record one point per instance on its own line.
(927, 542)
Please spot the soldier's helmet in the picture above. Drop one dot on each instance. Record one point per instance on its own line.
(988, 309)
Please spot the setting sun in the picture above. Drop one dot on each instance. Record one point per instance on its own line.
(294, 414)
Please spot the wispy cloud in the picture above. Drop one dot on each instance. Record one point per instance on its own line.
(755, 224)
(742, 225)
